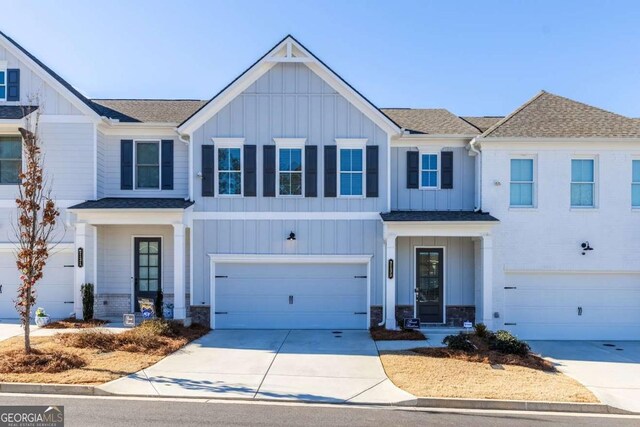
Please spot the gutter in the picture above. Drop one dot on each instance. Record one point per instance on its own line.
(478, 172)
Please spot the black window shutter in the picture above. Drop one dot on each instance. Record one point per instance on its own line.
(372, 171)
(13, 84)
(412, 169)
(311, 171)
(126, 164)
(330, 170)
(250, 177)
(167, 164)
(269, 171)
(208, 162)
(446, 166)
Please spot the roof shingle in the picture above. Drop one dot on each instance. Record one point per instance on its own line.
(134, 203)
(436, 121)
(148, 110)
(15, 112)
(551, 116)
(482, 122)
(436, 216)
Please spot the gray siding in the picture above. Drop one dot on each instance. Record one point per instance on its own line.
(290, 101)
(460, 197)
(32, 85)
(101, 163)
(344, 237)
(112, 169)
(459, 268)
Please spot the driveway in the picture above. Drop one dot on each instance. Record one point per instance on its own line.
(610, 369)
(321, 366)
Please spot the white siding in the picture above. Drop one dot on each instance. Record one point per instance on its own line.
(101, 163)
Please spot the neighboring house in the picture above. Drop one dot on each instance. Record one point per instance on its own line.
(289, 200)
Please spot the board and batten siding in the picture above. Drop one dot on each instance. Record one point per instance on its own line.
(290, 101)
(315, 237)
(459, 264)
(101, 163)
(31, 85)
(460, 197)
(111, 175)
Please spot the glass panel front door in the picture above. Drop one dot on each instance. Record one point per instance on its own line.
(429, 285)
(147, 267)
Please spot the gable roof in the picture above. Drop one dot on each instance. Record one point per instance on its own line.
(436, 121)
(482, 123)
(551, 116)
(51, 73)
(148, 110)
(264, 64)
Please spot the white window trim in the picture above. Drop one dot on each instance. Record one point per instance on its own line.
(219, 143)
(594, 204)
(289, 143)
(3, 67)
(22, 159)
(420, 169)
(534, 187)
(351, 144)
(135, 164)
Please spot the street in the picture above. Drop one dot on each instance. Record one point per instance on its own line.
(96, 411)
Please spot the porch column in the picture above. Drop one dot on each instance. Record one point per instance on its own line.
(487, 280)
(390, 289)
(179, 259)
(83, 233)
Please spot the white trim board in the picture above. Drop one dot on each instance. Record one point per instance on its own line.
(283, 215)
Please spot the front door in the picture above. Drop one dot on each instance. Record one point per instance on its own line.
(429, 284)
(147, 268)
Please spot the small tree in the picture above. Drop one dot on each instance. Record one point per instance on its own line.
(88, 300)
(35, 225)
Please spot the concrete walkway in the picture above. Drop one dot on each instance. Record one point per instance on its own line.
(610, 369)
(320, 366)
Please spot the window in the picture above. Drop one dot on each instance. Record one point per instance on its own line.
(290, 172)
(351, 171)
(230, 171)
(10, 159)
(582, 183)
(148, 165)
(521, 188)
(635, 183)
(3, 84)
(428, 171)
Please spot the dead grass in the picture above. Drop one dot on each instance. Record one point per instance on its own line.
(16, 361)
(105, 356)
(382, 334)
(449, 373)
(72, 323)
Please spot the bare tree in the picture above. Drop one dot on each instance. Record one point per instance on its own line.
(36, 222)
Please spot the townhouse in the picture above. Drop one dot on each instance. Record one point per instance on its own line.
(289, 200)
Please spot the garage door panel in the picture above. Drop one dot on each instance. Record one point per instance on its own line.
(546, 306)
(257, 296)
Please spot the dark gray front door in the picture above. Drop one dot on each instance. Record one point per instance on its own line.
(147, 268)
(429, 284)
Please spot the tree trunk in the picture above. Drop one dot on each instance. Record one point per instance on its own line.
(27, 336)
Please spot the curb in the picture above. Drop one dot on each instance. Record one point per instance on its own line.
(420, 402)
(514, 405)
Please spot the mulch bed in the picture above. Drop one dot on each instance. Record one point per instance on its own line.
(18, 362)
(72, 323)
(381, 334)
(490, 357)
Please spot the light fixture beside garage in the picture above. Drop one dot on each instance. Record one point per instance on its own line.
(292, 236)
(586, 247)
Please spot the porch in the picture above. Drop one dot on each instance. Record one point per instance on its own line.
(128, 249)
(438, 268)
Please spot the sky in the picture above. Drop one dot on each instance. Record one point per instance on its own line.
(472, 57)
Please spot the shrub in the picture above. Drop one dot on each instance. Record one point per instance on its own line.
(88, 299)
(159, 327)
(481, 330)
(504, 342)
(459, 342)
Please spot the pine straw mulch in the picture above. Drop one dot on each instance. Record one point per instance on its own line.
(481, 374)
(72, 323)
(91, 356)
(382, 334)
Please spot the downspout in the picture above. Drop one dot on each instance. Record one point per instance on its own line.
(478, 172)
(384, 280)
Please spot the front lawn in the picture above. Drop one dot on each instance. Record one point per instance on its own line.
(481, 366)
(92, 356)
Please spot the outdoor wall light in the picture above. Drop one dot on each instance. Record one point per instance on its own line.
(586, 247)
(292, 236)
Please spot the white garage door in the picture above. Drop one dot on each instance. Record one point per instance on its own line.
(54, 292)
(573, 306)
(291, 296)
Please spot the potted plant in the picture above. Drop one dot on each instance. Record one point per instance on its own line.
(42, 318)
